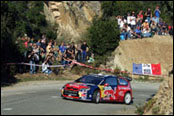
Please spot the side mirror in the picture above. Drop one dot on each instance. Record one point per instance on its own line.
(106, 84)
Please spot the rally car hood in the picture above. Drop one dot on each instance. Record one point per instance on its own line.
(78, 86)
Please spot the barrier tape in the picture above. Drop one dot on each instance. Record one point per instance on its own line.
(35, 64)
(103, 69)
(80, 64)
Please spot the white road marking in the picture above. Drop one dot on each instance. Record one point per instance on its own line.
(8, 109)
(54, 97)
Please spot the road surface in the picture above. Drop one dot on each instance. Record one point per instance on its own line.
(43, 98)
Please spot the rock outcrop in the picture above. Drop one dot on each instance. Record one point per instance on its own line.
(158, 49)
(163, 99)
(72, 17)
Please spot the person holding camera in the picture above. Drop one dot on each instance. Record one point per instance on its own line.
(33, 58)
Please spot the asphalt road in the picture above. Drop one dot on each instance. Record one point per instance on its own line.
(43, 98)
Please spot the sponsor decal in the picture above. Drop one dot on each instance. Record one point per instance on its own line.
(107, 93)
(83, 94)
(124, 88)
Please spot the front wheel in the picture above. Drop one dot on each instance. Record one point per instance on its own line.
(96, 97)
(127, 98)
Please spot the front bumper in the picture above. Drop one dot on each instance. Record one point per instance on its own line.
(74, 95)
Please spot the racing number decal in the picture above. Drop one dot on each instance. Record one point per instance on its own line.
(107, 93)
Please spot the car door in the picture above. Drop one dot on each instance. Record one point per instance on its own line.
(109, 88)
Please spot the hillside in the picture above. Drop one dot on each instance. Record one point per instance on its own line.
(158, 49)
(71, 17)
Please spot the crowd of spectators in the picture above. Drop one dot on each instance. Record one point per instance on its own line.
(143, 24)
(45, 53)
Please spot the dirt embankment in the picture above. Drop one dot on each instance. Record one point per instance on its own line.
(158, 49)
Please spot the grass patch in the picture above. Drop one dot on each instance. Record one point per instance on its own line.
(149, 104)
(139, 109)
(155, 110)
(143, 78)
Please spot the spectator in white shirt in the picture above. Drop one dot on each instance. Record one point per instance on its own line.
(133, 21)
(129, 19)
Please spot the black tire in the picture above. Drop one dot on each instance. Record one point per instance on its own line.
(96, 97)
(127, 98)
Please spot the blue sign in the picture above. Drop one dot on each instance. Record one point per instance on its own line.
(137, 68)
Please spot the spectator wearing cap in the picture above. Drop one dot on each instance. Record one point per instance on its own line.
(145, 24)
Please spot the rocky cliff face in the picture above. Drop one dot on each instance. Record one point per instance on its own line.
(163, 100)
(158, 49)
(71, 17)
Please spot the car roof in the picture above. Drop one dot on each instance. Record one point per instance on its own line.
(101, 75)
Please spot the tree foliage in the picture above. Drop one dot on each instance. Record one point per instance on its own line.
(19, 18)
(103, 36)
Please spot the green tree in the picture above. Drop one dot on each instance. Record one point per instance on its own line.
(103, 36)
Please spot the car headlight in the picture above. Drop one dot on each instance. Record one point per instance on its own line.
(63, 87)
(84, 89)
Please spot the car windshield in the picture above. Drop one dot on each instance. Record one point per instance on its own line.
(90, 79)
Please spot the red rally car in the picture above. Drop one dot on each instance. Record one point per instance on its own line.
(97, 88)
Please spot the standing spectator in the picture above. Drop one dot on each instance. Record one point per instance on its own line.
(171, 31)
(38, 42)
(148, 15)
(73, 47)
(133, 21)
(33, 58)
(140, 18)
(62, 49)
(129, 19)
(79, 53)
(43, 45)
(157, 13)
(56, 50)
(84, 47)
(49, 48)
(118, 20)
(122, 22)
(68, 56)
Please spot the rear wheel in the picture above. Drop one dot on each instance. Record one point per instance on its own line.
(96, 97)
(127, 98)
